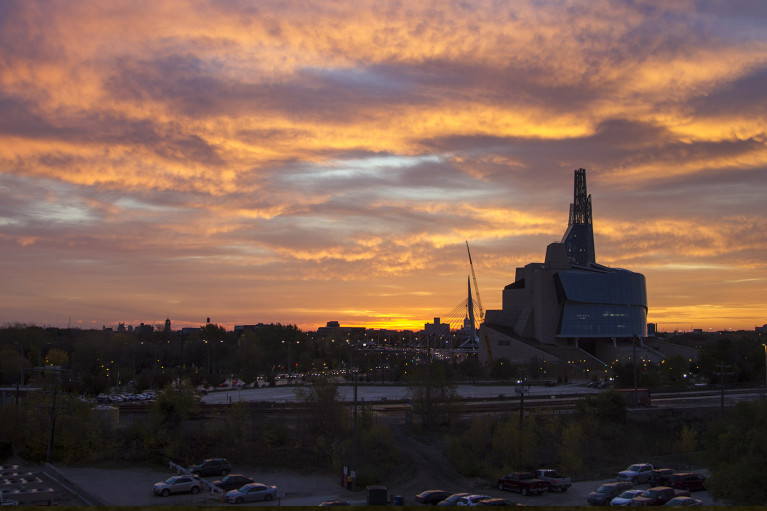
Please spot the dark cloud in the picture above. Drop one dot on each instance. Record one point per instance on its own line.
(616, 144)
(22, 118)
(191, 88)
(26, 34)
(746, 95)
(18, 117)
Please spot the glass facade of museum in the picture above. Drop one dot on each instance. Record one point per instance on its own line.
(602, 303)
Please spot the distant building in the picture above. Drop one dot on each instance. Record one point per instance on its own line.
(567, 301)
(437, 329)
(252, 328)
(143, 329)
(334, 328)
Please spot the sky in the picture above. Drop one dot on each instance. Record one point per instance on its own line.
(300, 162)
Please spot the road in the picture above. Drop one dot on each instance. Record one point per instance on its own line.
(286, 393)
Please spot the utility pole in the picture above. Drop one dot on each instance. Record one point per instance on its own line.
(521, 391)
(721, 375)
(21, 373)
(49, 450)
(354, 447)
(765, 367)
(636, 389)
(52, 420)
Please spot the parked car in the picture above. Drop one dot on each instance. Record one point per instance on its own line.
(496, 502)
(607, 492)
(453, 499)
(624, 499)
(232, 482)
(658, 496)
(431, 497)
(523, 482)
(472, 500)
(689, 481)
(5, 501)
(637, 473)
(211, 467)
(684, 501)
(660, 476)
(178, 484)
(251, 492)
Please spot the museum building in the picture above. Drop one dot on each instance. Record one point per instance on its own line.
(568, 306)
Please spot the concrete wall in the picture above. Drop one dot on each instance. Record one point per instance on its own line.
(503, 346)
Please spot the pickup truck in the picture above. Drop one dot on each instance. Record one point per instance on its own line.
(658, 496)
(523, 482)
(636, 473)
(556, 481)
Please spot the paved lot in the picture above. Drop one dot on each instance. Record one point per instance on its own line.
(30, 485)
(578, 494)
(133, 487)
(124, 487)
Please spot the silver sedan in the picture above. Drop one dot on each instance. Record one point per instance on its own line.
(251, 492)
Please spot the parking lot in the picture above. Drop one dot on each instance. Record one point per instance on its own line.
(578, 494)
(133, 487)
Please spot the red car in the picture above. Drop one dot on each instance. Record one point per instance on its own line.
(689, 481)
(524, 482)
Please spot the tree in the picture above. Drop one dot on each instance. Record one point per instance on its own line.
(736, 454)
(502, 369)
(326, 423)
(171, 406)
(608, 405)
(434, 399)
(570, 453)
(11, 365)
(743, 354)
(57, 357)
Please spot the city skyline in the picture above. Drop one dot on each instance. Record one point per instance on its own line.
(299, 163)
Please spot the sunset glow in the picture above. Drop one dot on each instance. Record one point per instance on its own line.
(302, 162)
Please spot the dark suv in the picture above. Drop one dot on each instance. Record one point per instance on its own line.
(607, 492)
(211, 467)
(689, 481)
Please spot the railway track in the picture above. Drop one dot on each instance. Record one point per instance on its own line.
(563, 403)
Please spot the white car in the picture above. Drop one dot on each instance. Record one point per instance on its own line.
(251, 492)
(624, 499)
(471, 500)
